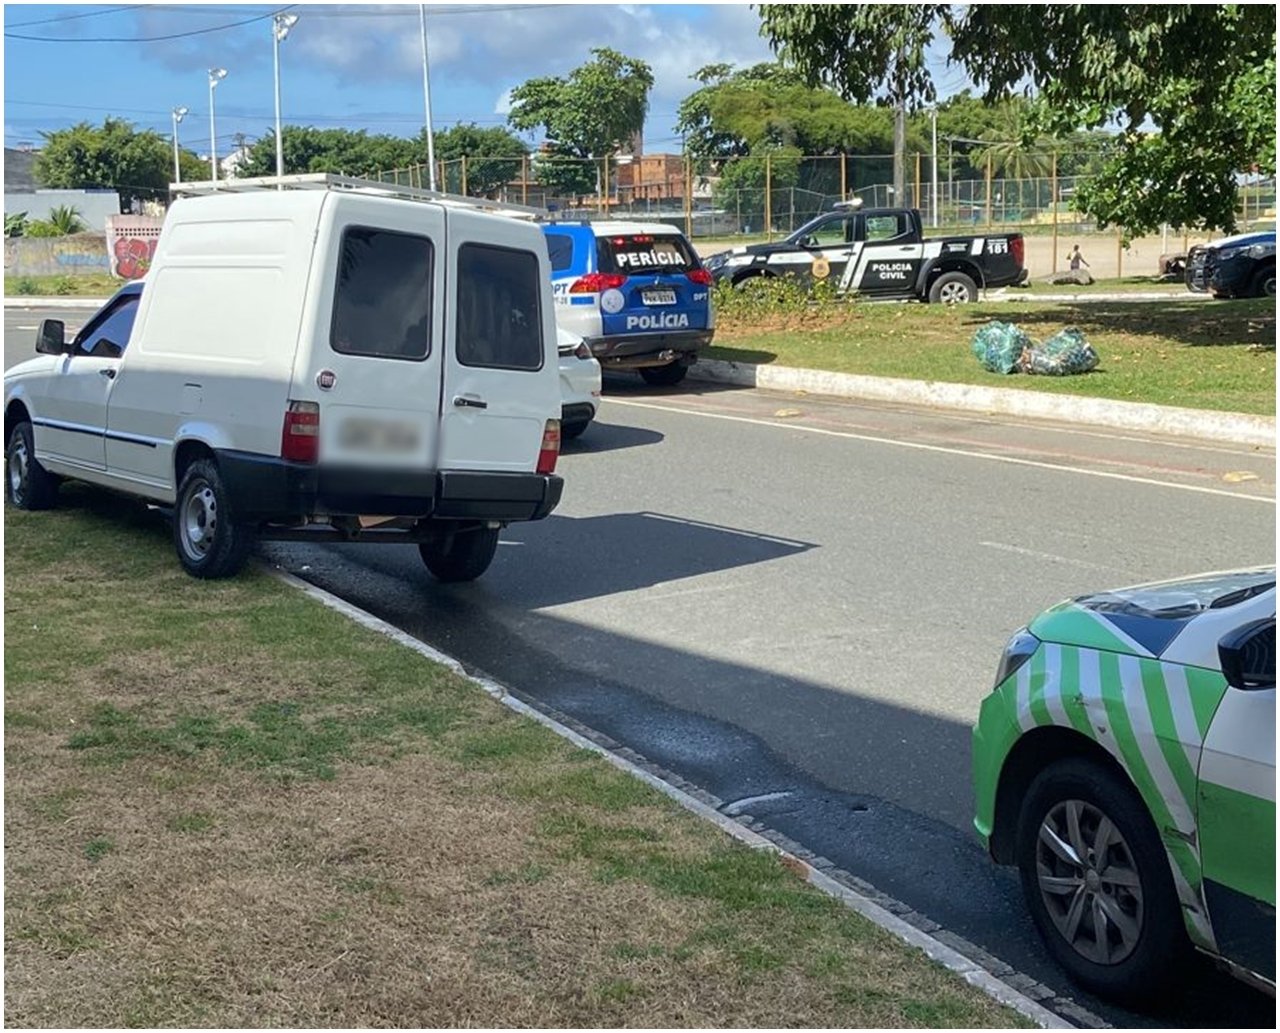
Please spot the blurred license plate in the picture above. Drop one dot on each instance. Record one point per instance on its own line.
(361, 435)
(659, 297)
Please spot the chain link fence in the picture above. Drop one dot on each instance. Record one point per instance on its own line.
(763, 198)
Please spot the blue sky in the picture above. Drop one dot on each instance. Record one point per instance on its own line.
(344, 64)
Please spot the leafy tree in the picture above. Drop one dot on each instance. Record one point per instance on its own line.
(353, 152)
(494, 155)
(136, 163)
(593, 112)
(1191, 88)
(738, 112)
(1009, 149)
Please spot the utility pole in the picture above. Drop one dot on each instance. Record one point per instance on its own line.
(899, 129)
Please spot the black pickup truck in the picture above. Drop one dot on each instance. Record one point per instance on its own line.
(880, 252)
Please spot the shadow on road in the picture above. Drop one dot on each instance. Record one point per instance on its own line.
(609, 437)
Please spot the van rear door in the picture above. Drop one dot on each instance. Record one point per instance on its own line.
(376, 367)
(501, 373)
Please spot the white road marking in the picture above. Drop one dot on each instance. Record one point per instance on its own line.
(1051, 557)
(944, 450)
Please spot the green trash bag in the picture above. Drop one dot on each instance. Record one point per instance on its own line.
(1063, 354)
(999, 346)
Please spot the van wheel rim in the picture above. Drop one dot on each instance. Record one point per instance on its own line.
(199, 521)
(1089, 882)
(953, 293)
(19, 463)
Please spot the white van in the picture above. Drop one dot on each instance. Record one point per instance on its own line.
(337, 360)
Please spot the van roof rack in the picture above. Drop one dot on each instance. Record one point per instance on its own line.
(354, 184)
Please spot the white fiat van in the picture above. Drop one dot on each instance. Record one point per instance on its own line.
(336, 360)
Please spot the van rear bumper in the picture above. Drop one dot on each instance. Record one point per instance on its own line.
(268, 489)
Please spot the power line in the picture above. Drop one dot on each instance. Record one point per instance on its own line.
(149, 39)
(74, 17)
(360, 11)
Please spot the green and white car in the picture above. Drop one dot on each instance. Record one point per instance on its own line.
(1125, 762)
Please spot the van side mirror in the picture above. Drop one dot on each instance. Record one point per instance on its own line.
(1248, 655)
(51, 338)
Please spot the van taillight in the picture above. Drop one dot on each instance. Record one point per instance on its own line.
(699, 276)
(300, 439)
(550, 451)
(594, 283)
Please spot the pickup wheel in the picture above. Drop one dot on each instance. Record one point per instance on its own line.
(460, 555)
(209, 543)
(664, 376)
(953, 289)
(28, 485)
(1263, 284)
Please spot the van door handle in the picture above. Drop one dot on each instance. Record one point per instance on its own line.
(470, 401)
(108, 372)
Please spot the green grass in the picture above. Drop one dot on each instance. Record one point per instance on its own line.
(1196, 354)
(86, 285)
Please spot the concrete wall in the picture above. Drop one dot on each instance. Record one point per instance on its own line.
(94, 205)
(79, 254)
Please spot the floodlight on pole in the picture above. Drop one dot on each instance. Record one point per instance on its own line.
(281, 24)
(216, 75)
(426, 96)
(178, 115)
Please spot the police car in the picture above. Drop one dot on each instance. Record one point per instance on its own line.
(635, 292)
(1125, 762)
(880, 253)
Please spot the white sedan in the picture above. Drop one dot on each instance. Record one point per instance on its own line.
(579, 384)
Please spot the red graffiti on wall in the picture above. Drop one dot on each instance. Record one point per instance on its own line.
(133, 256)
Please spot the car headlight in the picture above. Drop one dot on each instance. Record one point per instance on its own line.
(1226, 254)
(716, 260)
(1021, 648)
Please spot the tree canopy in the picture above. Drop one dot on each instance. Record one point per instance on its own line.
(594, 111)
(138, 164)
(1191, 88)
(350, 151)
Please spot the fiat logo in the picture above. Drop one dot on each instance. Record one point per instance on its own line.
(325, 379)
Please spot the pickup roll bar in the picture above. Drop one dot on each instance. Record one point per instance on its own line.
(354, 184)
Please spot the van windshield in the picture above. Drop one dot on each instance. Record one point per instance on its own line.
(645, 253)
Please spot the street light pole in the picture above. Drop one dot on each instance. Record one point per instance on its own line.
(281, 25)
(216, 75)
(426, 98)
(178, 115)
(935, 168)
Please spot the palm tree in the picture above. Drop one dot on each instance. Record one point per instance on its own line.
(65, 218)
(1010, 154)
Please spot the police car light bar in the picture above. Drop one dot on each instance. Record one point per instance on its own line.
(854, 203)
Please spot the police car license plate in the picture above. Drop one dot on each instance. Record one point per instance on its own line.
(659, 297)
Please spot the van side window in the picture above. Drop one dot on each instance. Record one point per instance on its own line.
(499, 320)
(560, 251)
(382, 302)
(108, 338)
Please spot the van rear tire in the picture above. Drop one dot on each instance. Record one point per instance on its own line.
(462, 554)
(209, 543)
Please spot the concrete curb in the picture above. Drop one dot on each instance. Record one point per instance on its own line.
(55, 301)
(1233, 428)
(970, 971)
(1184, 295)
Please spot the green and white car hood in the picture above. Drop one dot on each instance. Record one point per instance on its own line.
(1179, 622)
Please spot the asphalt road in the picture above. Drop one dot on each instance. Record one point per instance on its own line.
(776, 596)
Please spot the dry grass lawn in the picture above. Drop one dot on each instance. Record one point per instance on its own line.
(225, 805)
